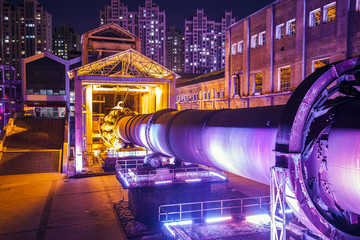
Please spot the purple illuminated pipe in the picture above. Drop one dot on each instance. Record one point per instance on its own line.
(240, 141)
(315, 137)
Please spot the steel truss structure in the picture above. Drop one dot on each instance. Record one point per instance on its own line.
(129, 63)
(278, 203)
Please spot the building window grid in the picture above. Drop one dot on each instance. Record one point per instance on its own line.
(290, 27)
(329, 12)
(258, 81)
(315, 18)
(284, 76)
(254, 41)
(280, 31)
(262, 38)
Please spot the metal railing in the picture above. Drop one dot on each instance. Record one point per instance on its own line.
(212, 209)
(129, 171)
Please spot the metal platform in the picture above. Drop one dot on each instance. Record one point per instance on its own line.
(132, 174)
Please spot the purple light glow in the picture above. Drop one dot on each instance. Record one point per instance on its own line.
(163, 182)
(256, 219)
(193, 180)
(218, 219)
(124, 179)
(169, 229)
(218, 175)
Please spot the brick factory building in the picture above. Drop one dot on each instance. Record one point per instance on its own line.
(271, 51)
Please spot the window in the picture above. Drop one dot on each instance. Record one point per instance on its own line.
(320, 63)
(280, 31)
(205, 95)
(253, 41)
(217, 94)
(240, 46)
(208, 95)
(262, 38)
(235, 85)
(357, 5)
(314, 18)
(329, 13)
(258, 80)
(290, 27)
(233, 49)
(284, 82)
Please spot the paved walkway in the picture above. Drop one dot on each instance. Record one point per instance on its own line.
(48, 206)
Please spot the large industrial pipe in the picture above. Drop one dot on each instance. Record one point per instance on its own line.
(315, 137)
(240, 141)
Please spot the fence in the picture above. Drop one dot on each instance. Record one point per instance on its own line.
(212, 209)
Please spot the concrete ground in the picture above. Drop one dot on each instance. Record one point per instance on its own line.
(48, 206)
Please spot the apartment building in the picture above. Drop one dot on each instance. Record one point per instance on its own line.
(205, 42)
(25, 30)
(174, 58)
(148, 23)
(65, 41)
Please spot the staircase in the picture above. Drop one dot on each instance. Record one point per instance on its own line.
(33, 145)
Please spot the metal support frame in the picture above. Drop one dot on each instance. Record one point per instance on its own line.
(278, 203)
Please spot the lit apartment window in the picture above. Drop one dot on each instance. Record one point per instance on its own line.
(358, 5)
(280, 31)
(262, 38)
(314, 18)
(329, 13)
(258, 80)
(320, 63)
(290, 27)
(240, 46)
(284, 75)
(233, 49)
(253, 41)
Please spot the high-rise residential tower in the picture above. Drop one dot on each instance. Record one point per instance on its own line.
(65, 40)
(205, 42)
(26, 31)
(174, 59)
(148, 23)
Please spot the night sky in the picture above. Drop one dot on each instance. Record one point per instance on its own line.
(84, 15)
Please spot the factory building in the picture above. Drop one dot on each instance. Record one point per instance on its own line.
(270, 52)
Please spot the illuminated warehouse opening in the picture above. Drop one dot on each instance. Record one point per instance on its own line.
(126, 80)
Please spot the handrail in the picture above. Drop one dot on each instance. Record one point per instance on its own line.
(222, 205)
